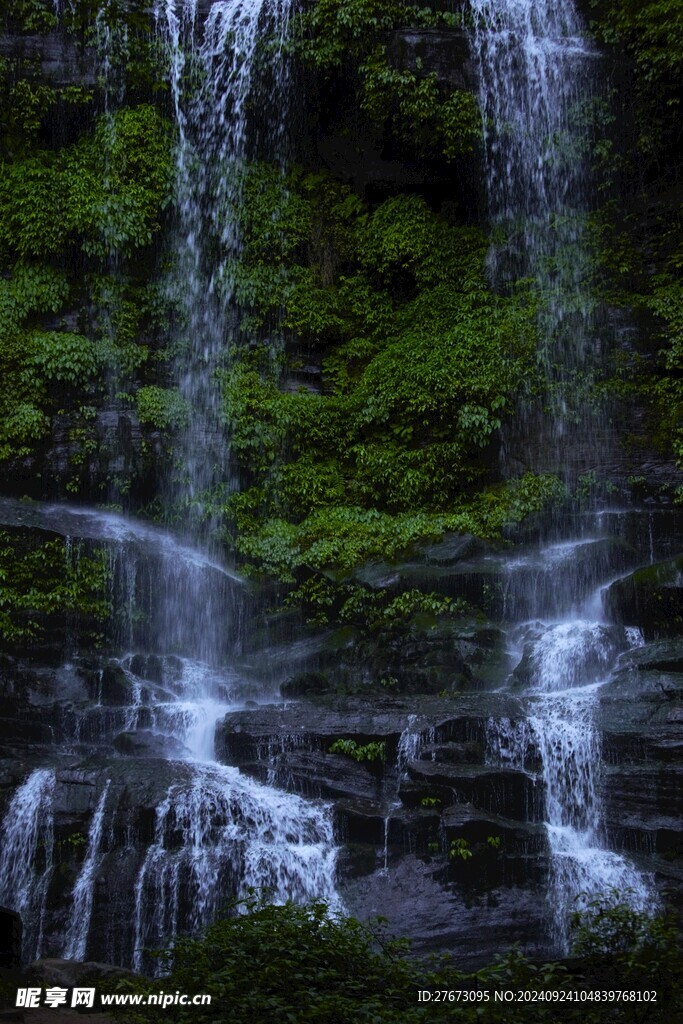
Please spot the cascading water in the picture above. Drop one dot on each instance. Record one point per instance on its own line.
(535, 71)
(83, 893)
(216, 833)
(26, 854)
(217, 59)
(235, 836)
(561, 720)
(535, 67)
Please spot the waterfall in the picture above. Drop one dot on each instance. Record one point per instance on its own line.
(84, 889)
(535, 72)
(535, 69)
(562, 723)
(26, 855)
(218, 835)
(213, 82)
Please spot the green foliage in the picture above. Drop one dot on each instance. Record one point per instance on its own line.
(608, 925)
(35, 364)
(374, 751)
(163, 408)
(99, 197)
(334, 30)
(459, 849)
(408, 102)
(305, 966)
(343, 537)
(494, 842)
(651, 30)
(29, 15)
(104, 194)
(76, 840)
(411, 105)
(420, 363)
(64, 357)
(641, 946)
(38, 583)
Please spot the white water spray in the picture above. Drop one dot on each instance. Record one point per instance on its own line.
(26, 856)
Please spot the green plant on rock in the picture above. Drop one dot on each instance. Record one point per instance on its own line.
(163, 408)
(420, 365)
(412, 105)
(374, 751)
(418, 111)
(459, 849)
(39, 583)
(29, 15)
(104, 194)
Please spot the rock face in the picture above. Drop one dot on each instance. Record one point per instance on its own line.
(642, 729)
(57, 59)
(10, 940)
(651, 598)
(445, 54)
(398, 815)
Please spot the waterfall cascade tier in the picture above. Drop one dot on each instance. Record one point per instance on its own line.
(131, 749)
(215, 87)
(537, 69)
(119, 781)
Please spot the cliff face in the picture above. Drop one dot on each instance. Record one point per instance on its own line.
(416, 546)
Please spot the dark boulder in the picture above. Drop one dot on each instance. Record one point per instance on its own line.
(651, 598)
(71, 973)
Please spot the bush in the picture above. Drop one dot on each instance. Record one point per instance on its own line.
(305, 966)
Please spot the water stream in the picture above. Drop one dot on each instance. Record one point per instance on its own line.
(214, 85)
(133, 731)
(536, 73)
(216, 833)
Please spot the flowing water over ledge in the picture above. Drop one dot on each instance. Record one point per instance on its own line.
(122, 788)
(215, 832)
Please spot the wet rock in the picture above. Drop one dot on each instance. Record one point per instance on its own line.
(144, 743)
(113, 686)
(650, 598)
(69, 973)
(243, 736)
(661, 656)
(59, 60)
(522, 584)
(305, 683)
(443, 52)
(147, 666)
(23, 732)
(430, 654)
(498, 790)
(455, 753)
(10, 939)
(441, 909)
(454, 548)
